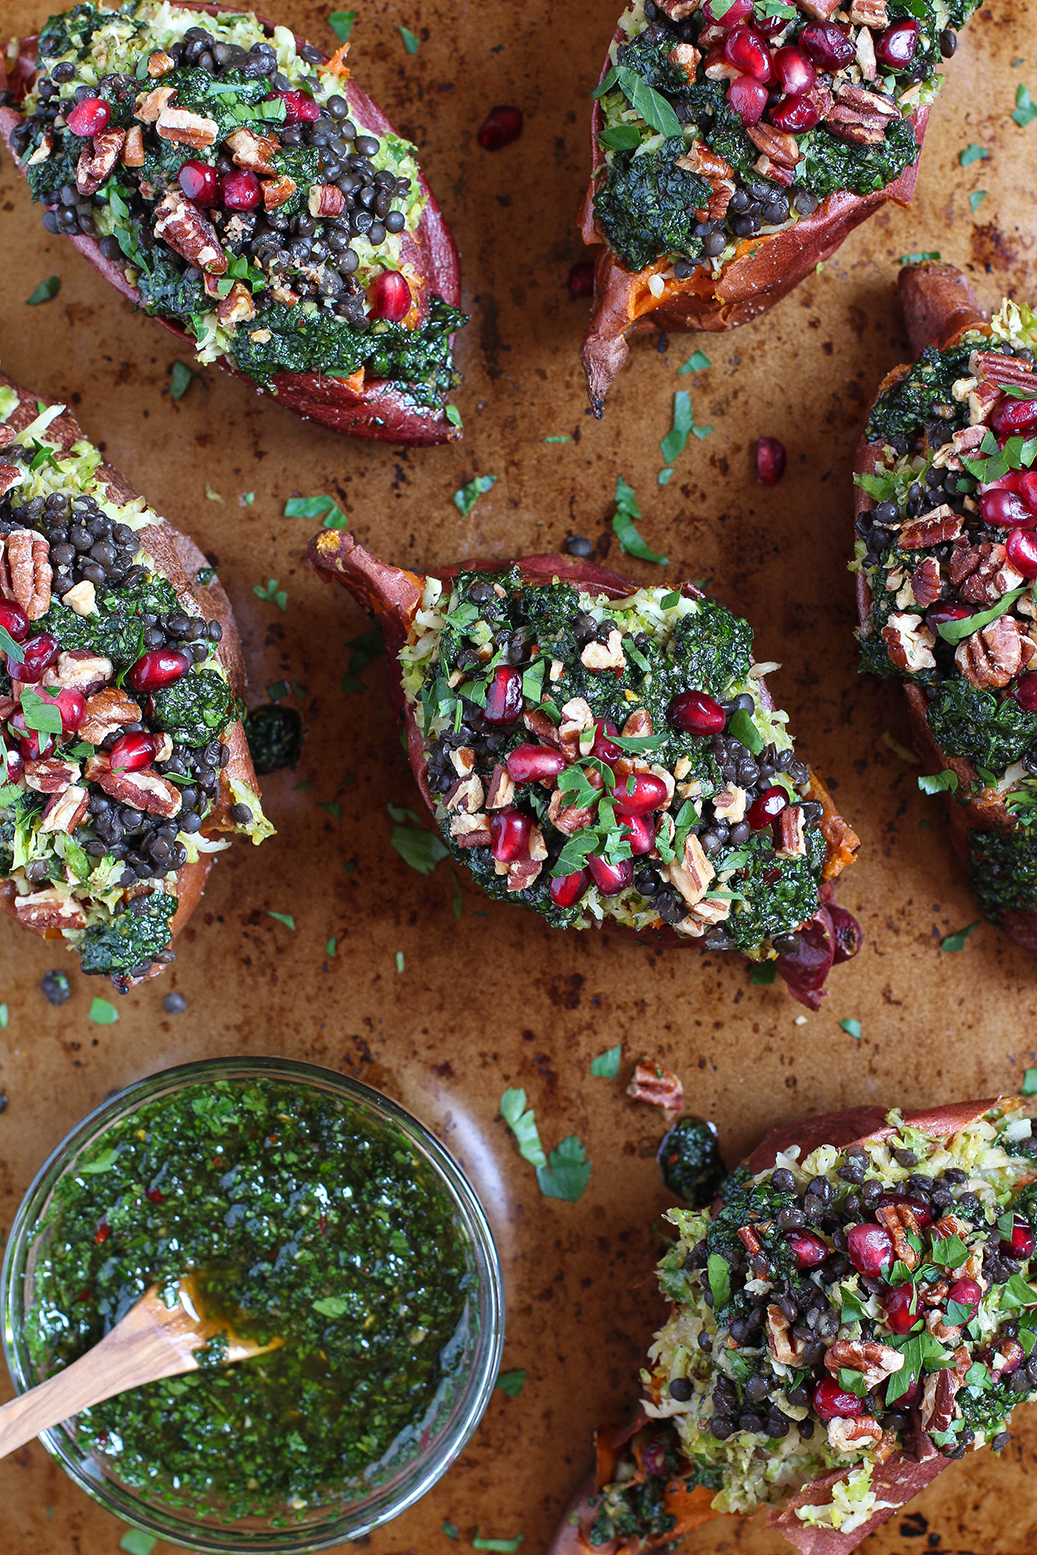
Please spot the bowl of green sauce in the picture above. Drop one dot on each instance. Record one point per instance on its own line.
(306, 1206)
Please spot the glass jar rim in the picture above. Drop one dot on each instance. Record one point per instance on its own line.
(485, 1301)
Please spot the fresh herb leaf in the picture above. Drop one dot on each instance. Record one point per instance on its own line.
(852, 1310)
(620, 137)
(1017, 1293)
(1025, 109)
(283, 917)
(567, 1171)
(972, 153)
(918, 259)
(623, 526)
(39, 713)
(332, 807)
(957, 941)
(411, 41)
(341, 24)
(511, 1382)
(675, 441)
(505, 1546)
(5, 1016)
(331, 1306)
(976, 198)
(606, 1065)
(949, 1251)
(522, 1123)
(650, 104)
(762, 971)
(450, 1529)
(136, 1542)
(718, 1272)
(421, 849)
(330, 947)
(453, 415)
(955, 631)
(14, 651)
(181, 379)
(399, 961)
(852, 1381)
(696, 363)
(103, 1013)
(466, 498)
(853, 1027)
(322, 507)
(940, 782)
(561, 438)
(1029, 1085)
(213, 496)
(45, 292)
(271, 594)
(743, 729)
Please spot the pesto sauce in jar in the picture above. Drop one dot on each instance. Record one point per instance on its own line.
(299, 1217)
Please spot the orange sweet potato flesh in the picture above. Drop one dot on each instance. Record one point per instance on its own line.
(374, 409)
(898, 1480)
(762, 271)
(939, 307)
(394, 595)
(178, 559)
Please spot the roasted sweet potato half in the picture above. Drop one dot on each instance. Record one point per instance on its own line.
(125, 765)
(852, 1313)
(608, 754)
(734, 147)
(946, 561)
(225, 176)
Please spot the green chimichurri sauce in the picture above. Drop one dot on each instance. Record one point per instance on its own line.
(299, 1218)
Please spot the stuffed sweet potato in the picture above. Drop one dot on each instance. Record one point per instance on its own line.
(610, 755)
(225, 176)
(855, 1312)
(734, 147)
(125, 763)
(946, 558)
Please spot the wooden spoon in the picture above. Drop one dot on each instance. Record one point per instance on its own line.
(151, 1342)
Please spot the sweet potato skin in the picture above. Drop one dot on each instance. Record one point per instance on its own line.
(764, 272)
(380, 411)
(394, 595)
(898, 1479)
(939, 307)
(178, 558)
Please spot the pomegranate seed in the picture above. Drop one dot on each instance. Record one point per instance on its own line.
(794, 71)
(827, 45)
(1001, 506)
(847, 932)
(943, 613)
(767, 808)
(509, 835)
(832, 1402)
(810, 1251)
(532, 763)
(14, 620)
(1026, 485)
(748, 98)
(157, 668)
(966, 1293)
(895, 47)
(693, 712)
(922, 1213)
(792, 114)
(1012, 1354)
(131, 752)
(38, 655)
(738, 11)
(155, 1195)
(581, 279)
(747, 51)
(89, 117)
(654, 1460)
(1014, 418)
(639, 831)
(603, 748)
(1025, 693)
(770, 460)
(870, 1248)
(241, 190)
(391, 299)
(912, 1396)
(1022, 1241)
(200, 183)
(70, 703)
(770, 25)
(31, 743)
(300, 107)
(567, 890)
(504, 697)
(104, 1231)
(901, 1308)
(1021, 551)
(610, 879)
(639, 793)
(503, 125)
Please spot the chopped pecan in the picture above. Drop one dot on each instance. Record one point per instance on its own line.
(577, 719)
(470, 831)
(964, 560)
(63, 812)
(283, 293)
(853, 1436)
(605, 656)
(254, 152)
(133, 147)
(861, 129)
(188, 233)
(325, 200)
(899, 1220)
(1001, 369)
(706, 163)
(791, 841)
(692, 874)
(463, 760)
(938, 1401)
(656, 1086)
(950, 1225)
(466, 794)
(10, 476)
(546, 732)
(990, 658)
(570, 818)
(711, 909)
(937, 1324)
(784, 1345)
(967, 439)
(185, 128)
(97, 160)
(522, 873)
(144, 790)
(43, 150)
(160, 64)
(237, 307)
(107, 711)
(777, 172)
(276, 191)
(819, 10)
(685, 58)
(638, 726)
(865, 47)
(729, 805)
(926, 583)
(936, 528)
(909, 642)
(51, 775)
(934, 1293)
(873, 1360)
(50, 909)
(982, 400)
(501, 790)
(719, 68)
(151, 104)
(991, 578)
(781, 148)
(869, 13)
(25, 571)
(677, 10)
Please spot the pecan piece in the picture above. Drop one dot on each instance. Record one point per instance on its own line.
(950, 1225)
(992, 577)
(852, 125)
(470, 831)
(546, 732)
(188, 233)
(43, 150)
(936, 528)
(729, 805)
(237, 307)
(967, 439)
(133, 147)
(791, 841)
(523, 872)
(254, 152)
(853, 1436)
(501, 790)
(150, 104)
(926, 584)
(63, 812)
(10, 477)
(185, 128)
(577, 719)
(107, 711)
(50, 909)
(776, 144)
(96, 161)
(144, 790)
(719, 68)
(605, 656)
(466, 794)
(909, 642)
(160, 64)
(276, 191)
(657, 1087)
(677, 10)
(784, 1345)
(26, 573)
(82, 598)
(992, 657)
(873, 1360)
(938, 1401)
(51, 775)
(937, 1324)
(463, 761)
(692, 874)
(325, 200)
(982, 400)
(777, 172)
(1001, 369)
(570, 818)
(899, 1220)
(869, 13)
(685, 58)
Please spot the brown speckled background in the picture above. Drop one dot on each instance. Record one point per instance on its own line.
(494, 998)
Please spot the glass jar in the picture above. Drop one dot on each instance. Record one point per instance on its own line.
(460, 1400)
